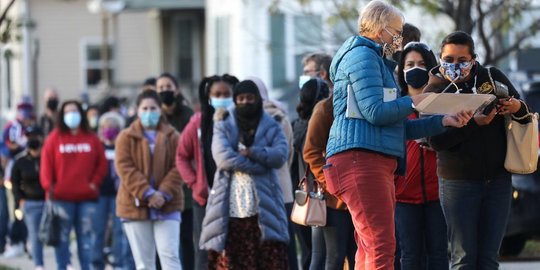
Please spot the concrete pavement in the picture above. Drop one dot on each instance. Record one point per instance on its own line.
(24, 262)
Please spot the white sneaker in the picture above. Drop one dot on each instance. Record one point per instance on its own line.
(16, 250)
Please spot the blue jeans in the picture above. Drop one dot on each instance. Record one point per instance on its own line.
(334, 242)
(421, 230)
(78, 215)
(106, 210)
(291, 247)
(32, 218)
(4, 218)
(476, 214)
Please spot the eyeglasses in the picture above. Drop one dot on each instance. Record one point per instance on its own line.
(308, 71)
(399, 33)
(416, 44)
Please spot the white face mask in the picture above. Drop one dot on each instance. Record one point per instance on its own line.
(302, 80)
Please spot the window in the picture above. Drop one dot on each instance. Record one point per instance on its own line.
(222, 45)
(184, 59)
(92, 65)
(307, 38)
(277, 45)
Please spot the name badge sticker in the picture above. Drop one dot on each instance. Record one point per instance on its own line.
(390, 94)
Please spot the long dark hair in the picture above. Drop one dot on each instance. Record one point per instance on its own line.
(84, 121)
(312, 92)
(179, 97)
(427, 55)
(207, 123)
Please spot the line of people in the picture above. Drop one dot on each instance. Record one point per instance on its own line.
(214, 189)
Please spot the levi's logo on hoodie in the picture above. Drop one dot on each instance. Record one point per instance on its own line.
(75, 148)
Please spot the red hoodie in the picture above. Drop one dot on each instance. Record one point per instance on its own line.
(418, 186)
(189, 150)
(74, 162)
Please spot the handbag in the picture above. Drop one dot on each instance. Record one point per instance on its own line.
(309, 208)
(50, 224)
(521, 138)
(521, 144)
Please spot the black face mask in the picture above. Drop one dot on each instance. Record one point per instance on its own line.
(33, 144)
(167, 97)
(416, 77)
(248, 110)
(52, 104)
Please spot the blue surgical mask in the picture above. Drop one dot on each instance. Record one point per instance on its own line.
(72, 119)
(149, 119)
(416, 77)
(221, 103)
(302, 80)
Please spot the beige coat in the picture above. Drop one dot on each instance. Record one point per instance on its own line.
(132, 162)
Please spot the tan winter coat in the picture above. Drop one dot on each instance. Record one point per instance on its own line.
(132, 162)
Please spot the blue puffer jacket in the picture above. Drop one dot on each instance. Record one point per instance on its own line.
(385, 126)
(269, 152)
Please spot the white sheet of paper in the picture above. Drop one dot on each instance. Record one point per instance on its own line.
(450, 103)
(352, 110)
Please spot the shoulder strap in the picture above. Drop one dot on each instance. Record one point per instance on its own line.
(491, 78)
(526, 107)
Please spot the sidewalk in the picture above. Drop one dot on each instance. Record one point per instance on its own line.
(25, 263)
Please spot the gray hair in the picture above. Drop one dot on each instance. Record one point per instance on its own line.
(374, 17)
(114, 117)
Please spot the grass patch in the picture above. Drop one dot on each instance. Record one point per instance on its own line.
(7, 268)
(532, 249)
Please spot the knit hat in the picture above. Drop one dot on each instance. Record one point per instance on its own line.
(246, 87)
(25, 109)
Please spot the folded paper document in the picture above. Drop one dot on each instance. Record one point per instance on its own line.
(451, 103)
(352, 111)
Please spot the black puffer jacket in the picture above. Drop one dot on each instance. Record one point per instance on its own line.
(25, 179)
(473, 152)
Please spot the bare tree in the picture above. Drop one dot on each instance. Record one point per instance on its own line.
(490, 20)
(5, 30)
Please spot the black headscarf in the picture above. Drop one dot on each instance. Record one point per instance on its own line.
(247, 115)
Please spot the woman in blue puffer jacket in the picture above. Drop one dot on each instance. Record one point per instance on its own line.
(245, 226)
(364, 148)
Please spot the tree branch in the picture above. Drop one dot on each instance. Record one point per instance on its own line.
(344, 18)
(482, 32)
(535, 26)
(4, 14)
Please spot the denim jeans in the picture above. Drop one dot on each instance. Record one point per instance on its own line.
(421, 230)
(201, 256)
(291, 247)
(78, 215)
(32, 218)
(334, 242)
(105, 210)
(304, 239)
(318, 249)
(4, 218)
(476, 214)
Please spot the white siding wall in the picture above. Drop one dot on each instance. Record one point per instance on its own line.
(63, 26)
